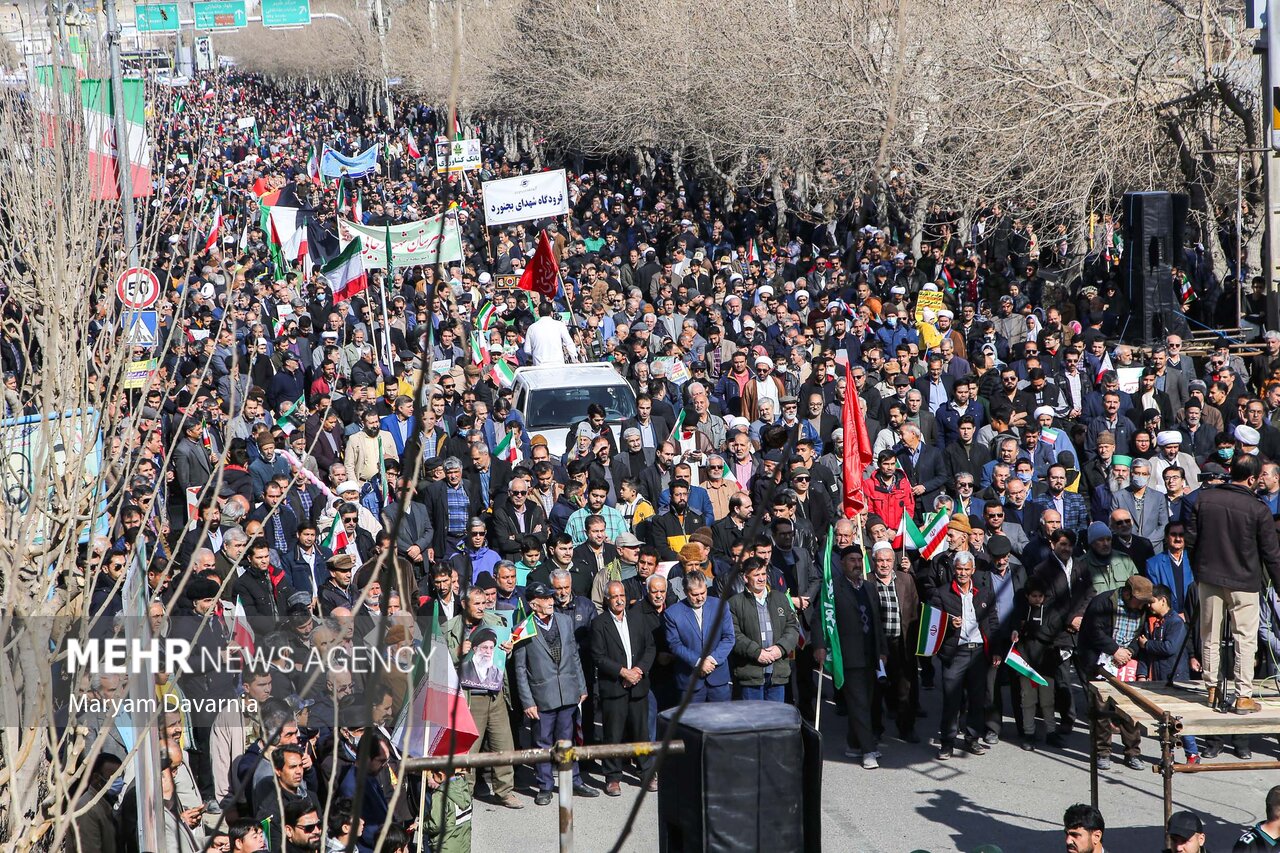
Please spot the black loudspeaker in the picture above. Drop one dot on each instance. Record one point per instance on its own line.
(1154, 224)
(750, 778)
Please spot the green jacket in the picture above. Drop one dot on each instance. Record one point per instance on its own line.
(1109, 572)
(747, 670)
(454, 814)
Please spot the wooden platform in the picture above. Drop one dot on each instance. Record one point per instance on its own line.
(1188, 703)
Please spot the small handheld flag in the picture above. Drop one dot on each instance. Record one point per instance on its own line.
(933, 629)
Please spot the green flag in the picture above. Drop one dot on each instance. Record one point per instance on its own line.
(835, 661)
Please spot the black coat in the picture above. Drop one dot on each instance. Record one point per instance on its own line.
(610, 657)
(265, 604)
(1066, 602)
(437, 501)
(506, 532)
(947, 598)
(1231, 538)
(930, 471)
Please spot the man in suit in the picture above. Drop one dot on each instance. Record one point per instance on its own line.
(899, 605)
(489, 475)
(689, 624)
(1071, 507)
(401, 423)
(767, 633)
(550, 685)
(622, 645)
(1068, 587)
(305, 561)
(924, 467)
(653, 429)
(862, 651)
(451, 502)
(191, 464)
(415, 539)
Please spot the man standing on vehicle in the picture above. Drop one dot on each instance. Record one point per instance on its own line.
(548, 340)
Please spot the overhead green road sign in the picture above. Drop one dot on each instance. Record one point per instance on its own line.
(221, 15)
(156, 18)
(286, 13)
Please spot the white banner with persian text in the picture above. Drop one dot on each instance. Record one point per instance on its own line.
(541, 196)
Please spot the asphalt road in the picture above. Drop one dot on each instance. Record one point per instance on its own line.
(1008, 797)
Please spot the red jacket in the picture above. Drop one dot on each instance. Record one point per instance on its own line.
(890, 501)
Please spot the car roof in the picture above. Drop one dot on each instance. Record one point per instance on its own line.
(569, 376)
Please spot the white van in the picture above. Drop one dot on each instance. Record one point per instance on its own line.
(554, 398)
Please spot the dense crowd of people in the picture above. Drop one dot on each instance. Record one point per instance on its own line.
(335, 477)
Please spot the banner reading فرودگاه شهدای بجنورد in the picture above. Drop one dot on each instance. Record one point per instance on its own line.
(544, 195)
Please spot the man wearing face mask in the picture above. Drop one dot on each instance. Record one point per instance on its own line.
(1147, 506)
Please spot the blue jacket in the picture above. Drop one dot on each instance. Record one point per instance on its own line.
(391, 424)
(1165, 651)
(686, 641)
(949, 421)
(1160, 570)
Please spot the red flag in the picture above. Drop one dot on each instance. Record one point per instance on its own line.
(542, 273)
(857, 447)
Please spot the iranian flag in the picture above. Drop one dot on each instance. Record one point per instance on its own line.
(900, 535)
(728, 475)
(502, 374)
(193, 507)
(214, 230)
(438, 721)
(479, 352)
(675, 430)
(930, 541)
(486, 315)
(100, 133)
(933, 628)
(239, 628)
(411, 145)
(526, 630)
(507, 450)
(1020, 666)
(1050, 436)
(313, 166)
(345, 273)
(1186, 293)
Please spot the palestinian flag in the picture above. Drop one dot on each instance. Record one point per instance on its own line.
(214, 230)
(526, 630)
(486, 315)
(411, 145)
(313, 165)
(507, 450)
(932, 540)
(502, 374)
(1186, 293)
(239, 628)
(933, 628)
(345, 273)
(193, 507)
(1019, 665)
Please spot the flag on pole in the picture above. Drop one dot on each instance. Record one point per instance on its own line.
(411, 145)
(486, 315)
(1050, 436)
(501, 372)
(99, 118)
(212, 240)
(479, 353)
(542, 274)
(933, 628)
(345, 273)
(193, 507)
(857, 447)
(313, 165)
(337, 539)
(438, 721)
(834, 662)
(283, 420)
(506, 449)
(240, 630)
(1020, 666)
(1186, 293)
(526, 630)
(728, 475)
(932, 540)
(900, 537)
(675, 430)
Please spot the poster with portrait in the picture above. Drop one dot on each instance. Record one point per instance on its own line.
(484, 666)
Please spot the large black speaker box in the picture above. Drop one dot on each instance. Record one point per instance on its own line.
(750, 778)
(1153, 242)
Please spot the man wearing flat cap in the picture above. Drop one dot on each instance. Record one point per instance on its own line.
(1109, 640)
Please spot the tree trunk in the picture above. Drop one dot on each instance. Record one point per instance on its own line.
(780, 203)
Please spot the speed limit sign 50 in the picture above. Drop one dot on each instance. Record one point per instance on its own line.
(138, 288)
